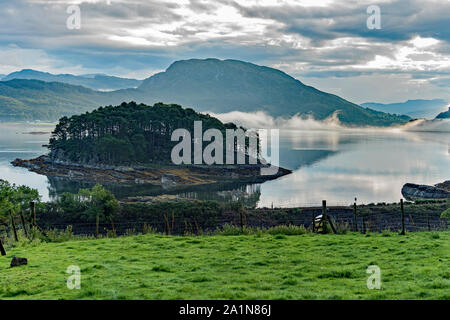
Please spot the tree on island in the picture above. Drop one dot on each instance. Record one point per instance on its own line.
(127, 134)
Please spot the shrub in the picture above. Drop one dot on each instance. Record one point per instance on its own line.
(446, 214)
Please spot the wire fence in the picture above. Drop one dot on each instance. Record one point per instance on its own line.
(195, 220)
(342, 217)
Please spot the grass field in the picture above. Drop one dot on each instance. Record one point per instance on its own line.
(261, 266)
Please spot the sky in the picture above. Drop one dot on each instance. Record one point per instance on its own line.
(323, 43)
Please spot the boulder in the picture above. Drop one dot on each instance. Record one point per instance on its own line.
(443, 185)
(15, 262)
(415, 191)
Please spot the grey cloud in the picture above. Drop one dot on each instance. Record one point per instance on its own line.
(41, 25)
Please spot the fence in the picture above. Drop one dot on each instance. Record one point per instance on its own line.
(351, 218)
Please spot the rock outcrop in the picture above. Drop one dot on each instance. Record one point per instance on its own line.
(165, 176)
(415, 191)
(15, 262)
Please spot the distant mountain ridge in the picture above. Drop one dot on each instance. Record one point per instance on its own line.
(92, 81)
(227, 85)
(205, 85)
(414, 108)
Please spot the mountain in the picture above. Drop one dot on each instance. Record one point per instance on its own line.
(226, 85)
(414, 108)
(92, 81)
(205, 85)
(444, 115)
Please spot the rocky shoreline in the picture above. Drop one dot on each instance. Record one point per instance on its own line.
(165, 176)
(415, 191)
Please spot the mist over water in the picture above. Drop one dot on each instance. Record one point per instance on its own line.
(261, 119)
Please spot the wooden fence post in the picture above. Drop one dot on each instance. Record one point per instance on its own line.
(23, 224)
(2, 249)
(113, 227)
(325, 218)
(196, 226)
(166, 219)
(173, 222)
(97, 221)
(412, 221)
(33, 212)
(355, 222)
(242, 220)
(403, 217)
(313, 223)
(13, 224)
(331, 224)
(363, 225)
(324, 209)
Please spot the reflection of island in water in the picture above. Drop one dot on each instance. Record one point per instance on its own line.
(248, 193)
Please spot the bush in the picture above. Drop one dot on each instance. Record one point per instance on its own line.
(446, 214)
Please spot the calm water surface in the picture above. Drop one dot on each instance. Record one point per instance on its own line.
(333, 165)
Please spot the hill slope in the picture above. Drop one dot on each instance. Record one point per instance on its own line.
(414, 108)
(205, 85)
(95, 81)
(38, 100)
(227, 85)
(444, 115)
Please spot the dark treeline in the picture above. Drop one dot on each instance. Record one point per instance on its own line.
(127, 134)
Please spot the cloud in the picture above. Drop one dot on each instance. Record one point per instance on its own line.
(317, 41)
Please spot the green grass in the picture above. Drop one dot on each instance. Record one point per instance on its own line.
(255, 266)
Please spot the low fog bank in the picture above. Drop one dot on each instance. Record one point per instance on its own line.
(436, 125)
(261, 120)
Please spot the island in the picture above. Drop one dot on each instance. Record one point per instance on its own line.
(133, 144)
